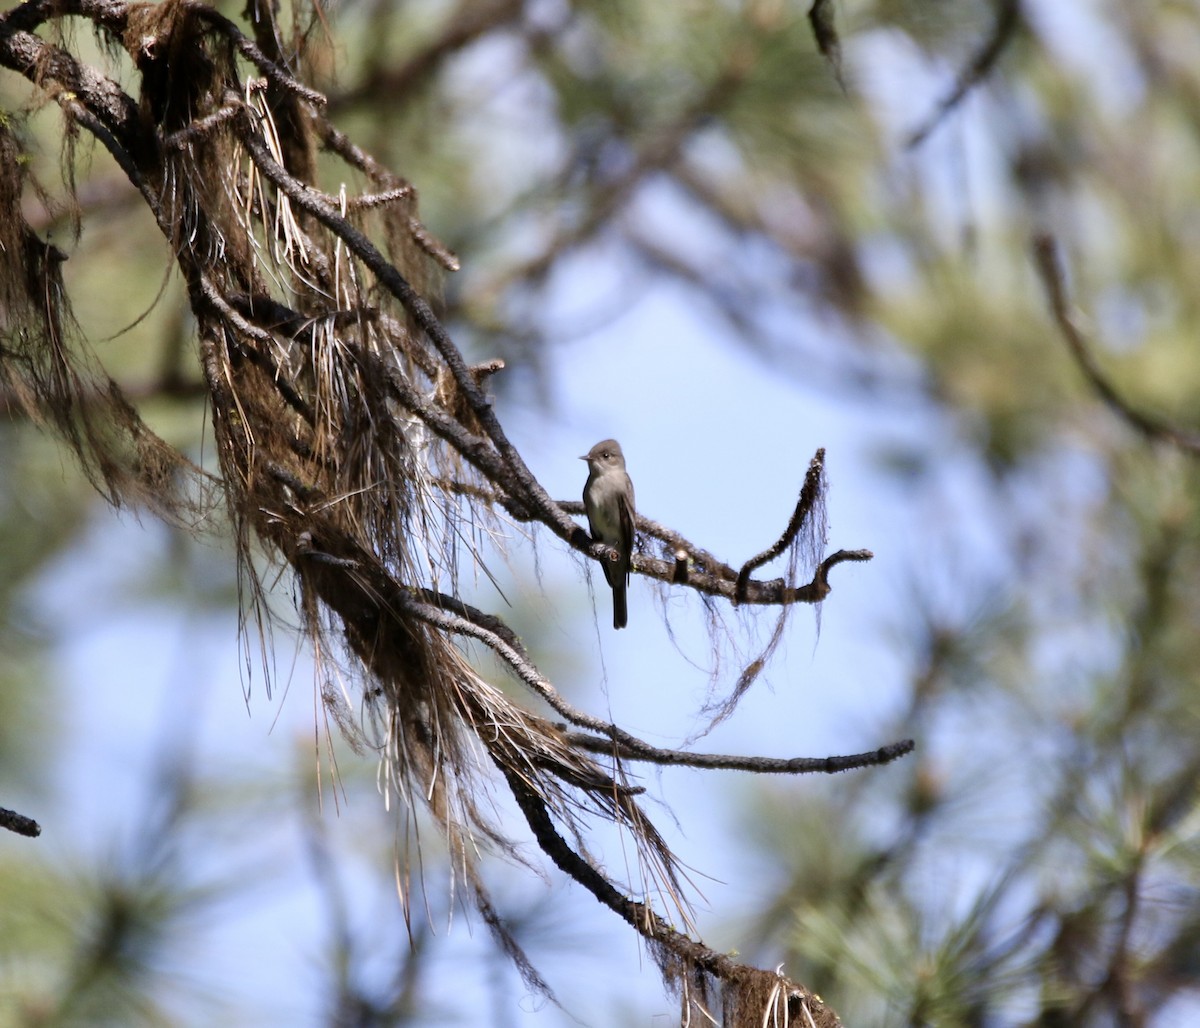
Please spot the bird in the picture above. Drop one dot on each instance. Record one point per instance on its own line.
(608, 500)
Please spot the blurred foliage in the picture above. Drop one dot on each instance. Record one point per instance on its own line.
(1037, 862)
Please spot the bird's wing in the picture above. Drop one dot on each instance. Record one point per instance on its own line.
(627, 529)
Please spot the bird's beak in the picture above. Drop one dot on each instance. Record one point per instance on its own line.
(583, 458)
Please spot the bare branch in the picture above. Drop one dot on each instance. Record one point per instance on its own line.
(756, 765)
(699, 569)
(463, 619)
(674, 950)
(810, 495)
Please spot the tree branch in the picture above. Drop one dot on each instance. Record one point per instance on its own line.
(1008, 18)
(1049, 267)
(19, 823)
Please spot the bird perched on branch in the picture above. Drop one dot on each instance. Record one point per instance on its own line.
(608, 500)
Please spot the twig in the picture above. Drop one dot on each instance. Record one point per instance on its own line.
(756, 765)
(975, 71)
(810, 494)
(19, 823)
(452, 614)
(354, 155)
(1049, 266)
(279, 75)
(458, 619)
(821, 20)
(202, 126)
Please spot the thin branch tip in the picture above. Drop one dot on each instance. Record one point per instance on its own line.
(19, 824)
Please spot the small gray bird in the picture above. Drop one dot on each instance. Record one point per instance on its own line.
(608, 500)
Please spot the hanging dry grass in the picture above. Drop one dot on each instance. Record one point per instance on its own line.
(354, 443)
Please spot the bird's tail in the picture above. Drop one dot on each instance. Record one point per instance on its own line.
(620, 614)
